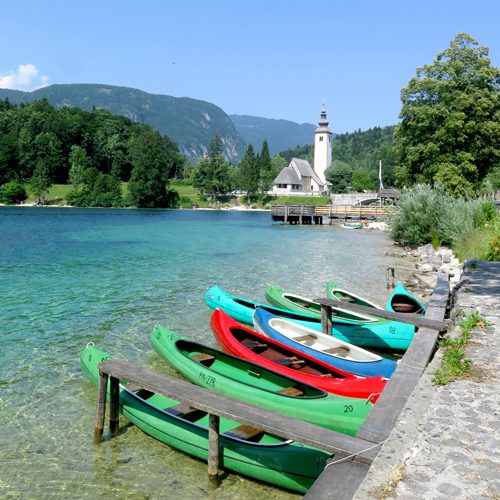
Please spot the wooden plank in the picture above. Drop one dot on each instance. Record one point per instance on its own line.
(412, 319)
(346, 476)
(385, 413)
(213, 403)
(340, 481)
(101, 406)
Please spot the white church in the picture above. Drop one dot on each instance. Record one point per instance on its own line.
(299, 177)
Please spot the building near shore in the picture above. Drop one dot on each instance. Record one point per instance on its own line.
(299, 178)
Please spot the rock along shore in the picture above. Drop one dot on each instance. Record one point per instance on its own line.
(446, 443)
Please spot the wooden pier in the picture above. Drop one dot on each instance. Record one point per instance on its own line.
(341, 481)
(309, 214)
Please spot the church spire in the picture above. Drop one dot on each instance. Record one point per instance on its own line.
(322, 146)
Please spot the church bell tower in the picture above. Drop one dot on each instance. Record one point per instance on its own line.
(322, 146)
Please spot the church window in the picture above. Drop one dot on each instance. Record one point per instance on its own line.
(320, 138)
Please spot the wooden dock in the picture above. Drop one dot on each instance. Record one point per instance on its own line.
(342, 481)
(315, 214)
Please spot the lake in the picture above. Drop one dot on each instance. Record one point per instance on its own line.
(71, 276)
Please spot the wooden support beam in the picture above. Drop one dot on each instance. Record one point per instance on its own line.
(114, 404)
(213, 446)
(101, 406)
(412, 319)
(326, 319)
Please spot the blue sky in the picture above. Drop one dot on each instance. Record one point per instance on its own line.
(274, 58)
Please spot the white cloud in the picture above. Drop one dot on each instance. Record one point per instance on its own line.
(27, 77)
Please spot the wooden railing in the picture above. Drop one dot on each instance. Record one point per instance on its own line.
(287, 212)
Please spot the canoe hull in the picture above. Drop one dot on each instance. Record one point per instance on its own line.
(402, 301)
(253, 384)
(229, 333)
(292, 465)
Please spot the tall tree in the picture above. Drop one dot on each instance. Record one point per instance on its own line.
(150, 174)
(339, 174)
(265, 167)
(212, 174)
(450, 120)
(248, 176)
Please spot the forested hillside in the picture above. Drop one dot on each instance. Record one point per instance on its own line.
(93, 150)
(190, 123)
(279, 134)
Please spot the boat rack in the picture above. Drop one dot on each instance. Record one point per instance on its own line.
(216, 405)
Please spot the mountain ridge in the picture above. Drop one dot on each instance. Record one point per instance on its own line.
(191, 123)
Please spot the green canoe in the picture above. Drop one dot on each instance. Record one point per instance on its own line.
(254, 384)
(247, 451)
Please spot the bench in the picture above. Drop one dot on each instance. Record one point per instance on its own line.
(291, 391)
(185, 412)
(337, 350)
(246, 432)
(203, 358)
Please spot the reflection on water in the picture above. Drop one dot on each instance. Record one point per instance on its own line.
(70, 276)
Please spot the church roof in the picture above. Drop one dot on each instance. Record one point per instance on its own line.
(306, 170)
(287, 176)
(303, 167)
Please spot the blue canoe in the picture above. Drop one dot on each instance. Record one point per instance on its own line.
(328, 349)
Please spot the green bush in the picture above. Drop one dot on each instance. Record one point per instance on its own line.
(12, 193)
(430, 215)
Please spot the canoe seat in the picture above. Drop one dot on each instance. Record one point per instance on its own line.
(246, 432)
(253, 344)
(186, 412)
(303, 338)
(326, 375)
(303, 304)
(139, 390)
(291, 391)
(346, 298)
(203, 358)
(293, 360)
(402, 307)
(337, 350)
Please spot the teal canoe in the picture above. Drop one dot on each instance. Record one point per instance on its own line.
(247, 451)
(377, 335)
(241, 379)
(402, 301)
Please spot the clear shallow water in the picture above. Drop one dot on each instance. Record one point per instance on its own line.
(70, 276)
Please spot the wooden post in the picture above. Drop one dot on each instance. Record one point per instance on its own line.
(101, 406)
(389, 278)
(301, 213)
(326, 319)
(213, 446)
(286, 213)
(114, 404)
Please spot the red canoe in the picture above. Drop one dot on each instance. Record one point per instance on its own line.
(245, 343)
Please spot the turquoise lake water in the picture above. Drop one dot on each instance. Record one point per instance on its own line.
(70, 276)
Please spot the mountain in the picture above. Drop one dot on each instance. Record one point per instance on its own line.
(280, 134)
(189, 122)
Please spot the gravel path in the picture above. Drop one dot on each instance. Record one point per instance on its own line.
(447, 441)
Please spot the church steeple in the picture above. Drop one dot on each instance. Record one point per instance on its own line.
(322, 146)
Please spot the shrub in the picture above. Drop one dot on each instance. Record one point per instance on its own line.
(12, 193)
